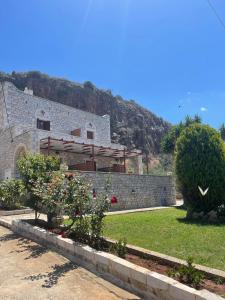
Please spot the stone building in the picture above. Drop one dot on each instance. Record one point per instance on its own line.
(80, 139)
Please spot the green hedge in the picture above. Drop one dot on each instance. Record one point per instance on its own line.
(200, 161)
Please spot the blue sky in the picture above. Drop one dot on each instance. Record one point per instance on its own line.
(164, 54)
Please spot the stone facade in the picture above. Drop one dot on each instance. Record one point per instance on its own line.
(134, 191)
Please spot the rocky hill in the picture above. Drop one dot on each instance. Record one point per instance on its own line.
(131, 124)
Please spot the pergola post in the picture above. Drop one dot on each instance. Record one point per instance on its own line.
(93, 156)
(48, 145)
(147, 160)
(124, 160)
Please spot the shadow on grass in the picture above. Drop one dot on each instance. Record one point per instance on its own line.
(200, 222)
(51, 278)
(181, 207)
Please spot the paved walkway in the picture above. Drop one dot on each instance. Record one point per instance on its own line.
(32, 272)
(129, 211)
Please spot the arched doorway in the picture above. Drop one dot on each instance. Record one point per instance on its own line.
(20, 152)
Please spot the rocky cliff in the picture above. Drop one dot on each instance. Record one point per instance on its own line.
(131, 124)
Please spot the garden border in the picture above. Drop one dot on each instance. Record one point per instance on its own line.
(140, 280)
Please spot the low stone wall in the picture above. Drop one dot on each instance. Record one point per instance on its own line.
(147, 284)
(135, 191)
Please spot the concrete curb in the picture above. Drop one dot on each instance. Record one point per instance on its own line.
(5, 223)
(148, 284)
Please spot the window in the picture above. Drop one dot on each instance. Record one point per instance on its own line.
(76, 132)
(44, 125)
(90, 135)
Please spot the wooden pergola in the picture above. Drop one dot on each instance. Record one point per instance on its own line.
(61, 145)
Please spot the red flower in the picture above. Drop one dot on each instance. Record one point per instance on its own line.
(114, 200)
(64, 235)
(77, 212)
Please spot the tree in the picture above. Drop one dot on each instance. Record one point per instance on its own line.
(200, 162)
(222, 131)
(33, 168)
(89, 85)
(169, 140)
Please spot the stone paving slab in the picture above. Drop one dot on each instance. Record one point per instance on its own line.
(121, 212)
(30, 271)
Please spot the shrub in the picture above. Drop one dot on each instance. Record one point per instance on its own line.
(99, 205)
(86, 211)
(33, 168)
(200, 161)
(11, 194)
(72, 195)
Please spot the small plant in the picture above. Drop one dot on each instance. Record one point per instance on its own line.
(120, 248)
(187, 274)
(219, 280)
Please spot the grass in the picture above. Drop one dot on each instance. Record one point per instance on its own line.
(167, 231)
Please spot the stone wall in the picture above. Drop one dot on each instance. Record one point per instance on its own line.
(135, 191)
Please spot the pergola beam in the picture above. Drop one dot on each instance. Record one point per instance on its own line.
(88, 148)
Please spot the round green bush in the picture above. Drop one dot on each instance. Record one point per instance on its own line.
(200, 161)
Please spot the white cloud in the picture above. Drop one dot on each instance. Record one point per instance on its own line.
(203, 109)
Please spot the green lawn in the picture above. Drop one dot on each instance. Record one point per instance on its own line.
(165, 231)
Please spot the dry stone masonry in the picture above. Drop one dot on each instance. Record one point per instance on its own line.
(134, 191)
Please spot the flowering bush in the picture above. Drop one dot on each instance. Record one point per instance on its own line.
(53, 192)
(11, 194)
(72, 195)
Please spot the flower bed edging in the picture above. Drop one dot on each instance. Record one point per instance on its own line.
(146, 283)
